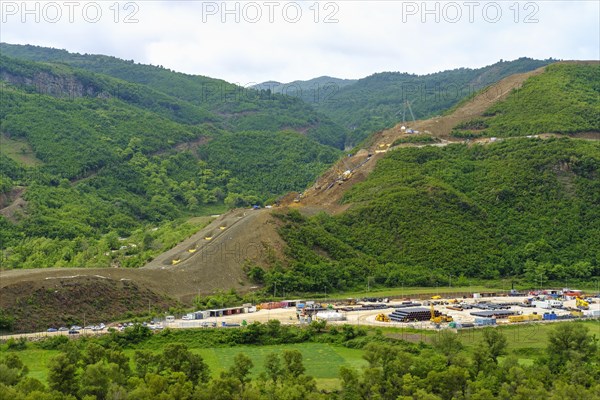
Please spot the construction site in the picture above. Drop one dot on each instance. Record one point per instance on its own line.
(213, 258)
(433, 313)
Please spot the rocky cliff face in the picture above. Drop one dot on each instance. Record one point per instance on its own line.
(54, 85)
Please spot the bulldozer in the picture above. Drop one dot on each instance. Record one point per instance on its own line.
(382, 318)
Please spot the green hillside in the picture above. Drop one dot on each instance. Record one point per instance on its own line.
(376, 102)
(522, 207)
(240, 108)
(314, 90)
(564, 99)
(95, 158)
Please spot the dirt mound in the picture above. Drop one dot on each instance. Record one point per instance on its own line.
(38, 304)
(213, 259)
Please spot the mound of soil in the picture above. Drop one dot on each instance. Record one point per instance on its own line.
(39, 304)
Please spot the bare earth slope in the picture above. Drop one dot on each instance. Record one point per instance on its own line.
(216, 263)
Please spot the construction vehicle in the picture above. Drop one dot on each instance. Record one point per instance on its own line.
(581, 303)
(382, 318)
(577, 314)
(440, 318)
(175, 261)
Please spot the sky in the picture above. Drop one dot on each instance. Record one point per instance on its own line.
(247, 42)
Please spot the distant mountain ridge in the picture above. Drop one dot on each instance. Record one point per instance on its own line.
(311, 91)
(376, 102)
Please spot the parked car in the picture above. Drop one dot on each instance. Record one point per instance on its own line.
(63, 329)
(76, 328)
(73, 332)
(52, 330)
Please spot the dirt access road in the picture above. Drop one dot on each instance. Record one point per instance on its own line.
(216, 264)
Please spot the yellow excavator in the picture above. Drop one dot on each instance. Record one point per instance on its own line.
(438, 320)
(382, 318)
(581, 303)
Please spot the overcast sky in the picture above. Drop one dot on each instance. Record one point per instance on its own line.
(251, 42)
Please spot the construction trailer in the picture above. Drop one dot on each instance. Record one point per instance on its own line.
(484, 321)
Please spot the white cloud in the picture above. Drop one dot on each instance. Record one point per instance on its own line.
(369, 37)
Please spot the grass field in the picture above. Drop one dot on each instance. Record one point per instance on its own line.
(36, 360)
(323, 361)
(524, 340)
(18, 150)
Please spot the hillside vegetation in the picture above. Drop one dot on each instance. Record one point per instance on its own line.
(377, 101)
(239, 108)
(122, 159)
(522, 207)
(564, 99)
(285, 362)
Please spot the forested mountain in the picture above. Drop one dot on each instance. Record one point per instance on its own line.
(357, 107)
(518, 207)
(377, 102)
(564, 99)
(88, 158)
(313, 91)
(523, 207)
(238, 107)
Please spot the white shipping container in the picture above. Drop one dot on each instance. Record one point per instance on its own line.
(556, 303)
(542, 304)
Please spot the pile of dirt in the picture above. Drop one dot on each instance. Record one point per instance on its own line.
(37, 305)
